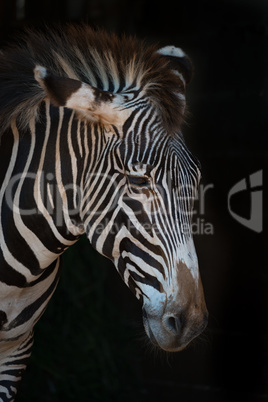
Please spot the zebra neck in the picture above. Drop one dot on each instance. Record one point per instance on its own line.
(34, 202)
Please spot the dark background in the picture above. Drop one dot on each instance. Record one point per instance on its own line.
(90, 343)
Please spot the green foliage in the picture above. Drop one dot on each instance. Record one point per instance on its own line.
(84, 347)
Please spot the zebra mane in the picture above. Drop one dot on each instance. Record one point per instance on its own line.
(98, 58)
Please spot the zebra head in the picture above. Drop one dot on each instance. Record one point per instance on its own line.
(137, 198)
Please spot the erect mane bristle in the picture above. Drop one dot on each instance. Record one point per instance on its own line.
(98, 58)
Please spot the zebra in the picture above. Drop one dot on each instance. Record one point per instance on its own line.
(91, 143)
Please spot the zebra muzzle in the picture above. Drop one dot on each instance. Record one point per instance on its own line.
(172, 332)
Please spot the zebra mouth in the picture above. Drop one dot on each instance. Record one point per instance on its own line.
(170, 333)
(148, 330)
(162, 337)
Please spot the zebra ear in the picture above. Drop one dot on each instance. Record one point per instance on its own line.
(92, 103)
(179, 61)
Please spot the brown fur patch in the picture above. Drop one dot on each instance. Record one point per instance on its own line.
(190, 292)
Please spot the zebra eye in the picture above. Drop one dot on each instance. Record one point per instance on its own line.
(138, 181)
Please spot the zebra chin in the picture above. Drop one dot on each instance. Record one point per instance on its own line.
(173, 332)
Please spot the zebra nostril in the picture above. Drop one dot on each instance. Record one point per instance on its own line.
(172, 323)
